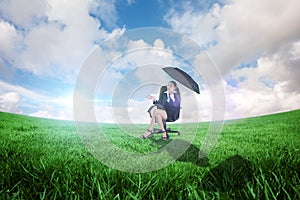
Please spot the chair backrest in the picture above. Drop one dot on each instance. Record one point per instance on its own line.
(162, 91)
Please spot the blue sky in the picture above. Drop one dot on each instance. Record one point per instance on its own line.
(255, 46)
(136, 14)
(139, 14)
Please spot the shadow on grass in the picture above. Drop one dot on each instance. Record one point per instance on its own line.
(191, 154)
(231, 174)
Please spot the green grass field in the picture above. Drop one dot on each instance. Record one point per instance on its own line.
(255, 158)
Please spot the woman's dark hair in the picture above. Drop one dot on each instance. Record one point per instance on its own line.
(174, 83)
(177, 89)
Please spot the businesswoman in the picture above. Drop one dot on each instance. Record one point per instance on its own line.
(167, 108)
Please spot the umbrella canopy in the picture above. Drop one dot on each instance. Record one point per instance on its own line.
(182, 77)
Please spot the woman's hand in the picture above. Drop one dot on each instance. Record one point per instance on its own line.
(151, 97)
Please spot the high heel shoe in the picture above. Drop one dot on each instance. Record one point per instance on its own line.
(150, 134)
(164, 138)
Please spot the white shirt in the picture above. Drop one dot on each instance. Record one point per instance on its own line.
(170, 96)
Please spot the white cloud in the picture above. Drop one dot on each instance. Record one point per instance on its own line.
(130, 2)
(42, 114)
(141, 53)
(272, 86)
(199, 26)
(151, 74)
(14, 98)
(22, 13)
(9, 39)
(137, 111)
(137, 44)
(9, 102)
(140, 63)
(282, 66)
(248, 29)
(295, 51)
(243, 31)
(104, 113)
(54, 109)
(60, 46)
(24, 92)
(240, 30)
(55, 36)
(247, 102)
(158, 43)
(59, 114)
(106, 11)
(51, 38)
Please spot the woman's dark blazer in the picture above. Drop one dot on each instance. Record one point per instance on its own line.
(173, 111)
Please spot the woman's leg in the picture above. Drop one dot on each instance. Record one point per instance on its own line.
(150, 127)
(160, 112)
(157, 116)
(159, 119)
(161, 115)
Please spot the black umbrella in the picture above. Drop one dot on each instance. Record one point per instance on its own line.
(182, 77)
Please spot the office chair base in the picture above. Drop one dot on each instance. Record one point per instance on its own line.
(157, 131)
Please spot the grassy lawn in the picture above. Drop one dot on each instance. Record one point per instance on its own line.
(255, 158)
